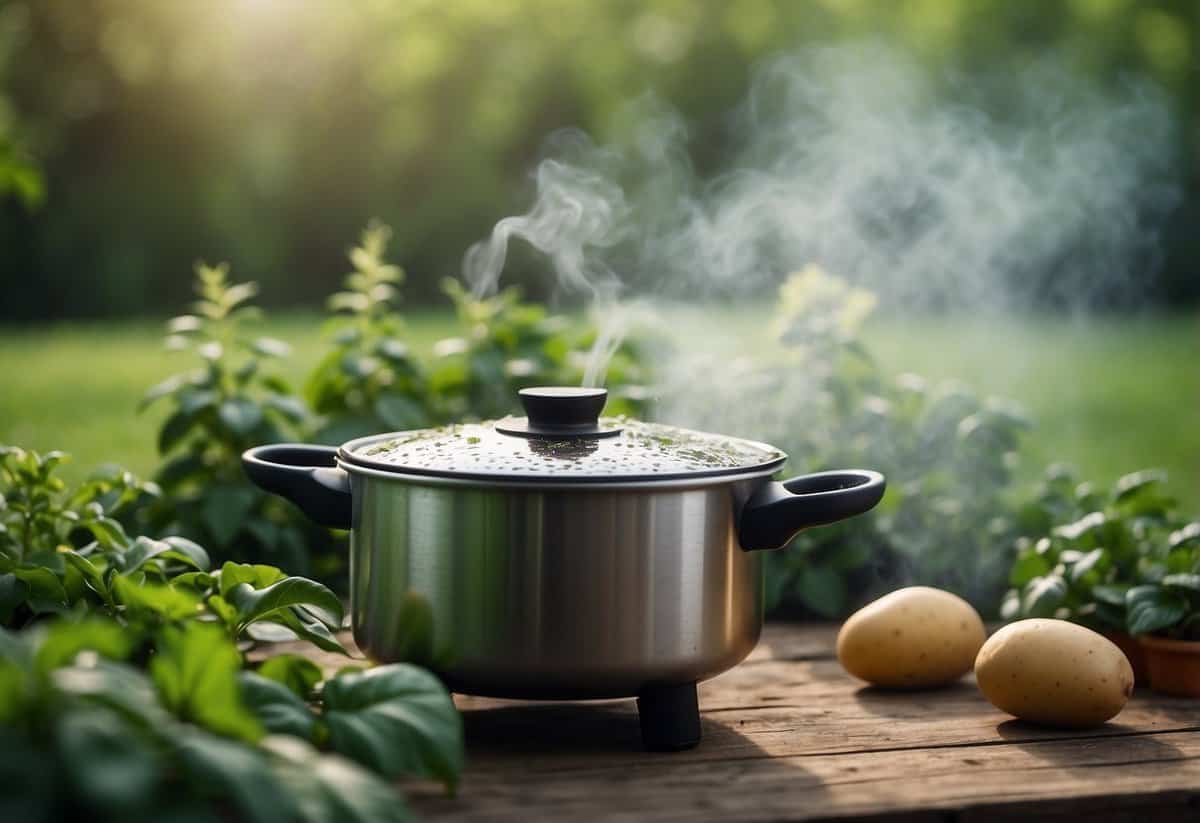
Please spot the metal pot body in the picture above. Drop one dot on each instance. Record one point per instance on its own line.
(553, 593)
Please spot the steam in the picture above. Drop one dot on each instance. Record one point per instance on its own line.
(860, 160)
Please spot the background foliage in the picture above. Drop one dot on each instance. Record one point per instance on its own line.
(267, 131)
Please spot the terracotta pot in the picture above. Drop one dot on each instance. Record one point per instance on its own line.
(1174, 665)
(1134, 653)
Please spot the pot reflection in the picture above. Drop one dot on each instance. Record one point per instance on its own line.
(572, 449)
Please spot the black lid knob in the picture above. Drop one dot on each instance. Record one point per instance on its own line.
(560, 413)
(566, 407)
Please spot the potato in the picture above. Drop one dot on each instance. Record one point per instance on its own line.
(912, 638)
(1054, 672)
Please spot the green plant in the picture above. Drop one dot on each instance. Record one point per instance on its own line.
(1121, 560)
(43, 523)
(230, 403)
(61, 551)
(196, 736)
(507, 344)
(129, 681)
(945, 520)
(369, 382)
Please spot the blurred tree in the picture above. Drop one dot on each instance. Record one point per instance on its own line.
(267, 131)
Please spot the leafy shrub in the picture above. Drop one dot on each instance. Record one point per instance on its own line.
(506, 345)
(369, 381)
(61, 552)
(1122, 560)
(231, 402)
(42, 523)
(947, 453)
(128, 682)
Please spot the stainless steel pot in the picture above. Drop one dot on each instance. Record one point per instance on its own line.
(561, 555)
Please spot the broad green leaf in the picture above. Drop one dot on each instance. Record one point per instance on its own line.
(348, 302)
(347, 336)
(1136, 483)
(64, 640)
(292, 408)
(180, 468)
(1095, 560)
(332, 788)
(359, 366)
(1028, 565)
(272, 347)
(196, 581)
(114, 685)
(1191, 582)
(1079, 528)
(310, 629)
(173, 432)
(268, 631)
(172, 548)
(211, 351)
(299, 674)
(1188, 535)
(91, 575)
(161, 390)
(257, 576)
(195, 672)
(393, 349)
(1152, 608)
(399, 411)
(396, 719)
(1043, 595)
(160, 600)
(245, 371)
(109, 533)
(279, 709)
(44, 591)
(255, 604)
(234, 775)
(225, 510)
(188, 552)
(184, 324)
(107, 763)
(1112, 594)
(240, 414)
(226, 613)
(192, 401)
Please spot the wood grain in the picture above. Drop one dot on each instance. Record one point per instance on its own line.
(789, 736)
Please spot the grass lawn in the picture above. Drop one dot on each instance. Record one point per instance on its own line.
(1108, 395)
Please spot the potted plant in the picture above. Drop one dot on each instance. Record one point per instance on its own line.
(1084, 569)
(1164, 613)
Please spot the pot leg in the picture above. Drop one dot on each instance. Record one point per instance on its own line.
(670, 717)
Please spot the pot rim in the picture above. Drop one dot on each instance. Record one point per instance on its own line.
(1168, 644)
(616, 483)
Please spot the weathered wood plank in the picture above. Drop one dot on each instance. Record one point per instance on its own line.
(788, 735)
(782, 709)
(1155, 771)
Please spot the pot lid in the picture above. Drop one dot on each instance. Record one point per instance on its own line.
(562, 437)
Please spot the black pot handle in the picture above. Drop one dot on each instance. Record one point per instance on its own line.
(778, 511)
(306, 475)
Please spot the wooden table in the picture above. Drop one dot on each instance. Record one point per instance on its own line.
(789, 736)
